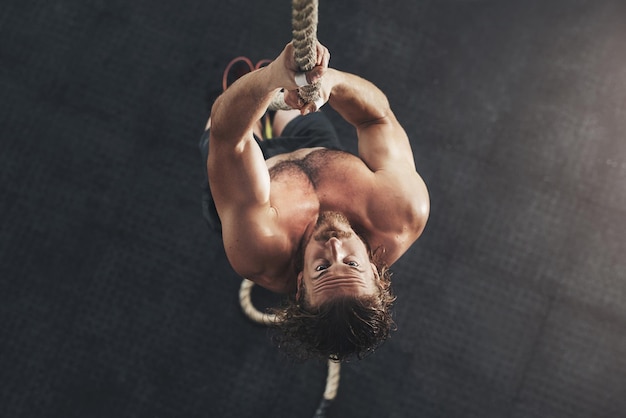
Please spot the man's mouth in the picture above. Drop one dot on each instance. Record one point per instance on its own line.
(332, 232)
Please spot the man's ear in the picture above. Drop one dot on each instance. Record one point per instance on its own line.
(299, 285)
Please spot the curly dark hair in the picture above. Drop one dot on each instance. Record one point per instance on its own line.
(340, 328)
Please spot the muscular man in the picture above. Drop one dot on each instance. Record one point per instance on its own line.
(302, 217)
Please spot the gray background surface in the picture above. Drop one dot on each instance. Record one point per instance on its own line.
(117, 301)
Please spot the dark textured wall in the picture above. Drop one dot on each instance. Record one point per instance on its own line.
(116, 300)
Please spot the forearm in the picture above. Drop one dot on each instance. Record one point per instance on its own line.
(235, 112)
(357, 100)
(382, 142)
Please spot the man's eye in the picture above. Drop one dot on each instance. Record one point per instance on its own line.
(321, 267)
(352, 264)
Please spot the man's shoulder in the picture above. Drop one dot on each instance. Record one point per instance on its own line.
(261, 247)
(264, 259)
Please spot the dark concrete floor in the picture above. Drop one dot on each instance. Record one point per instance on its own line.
(117, 301)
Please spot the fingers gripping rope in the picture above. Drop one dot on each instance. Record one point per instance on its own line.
(332, 380)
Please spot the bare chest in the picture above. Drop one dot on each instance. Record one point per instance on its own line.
(292, 193)
(328, 179)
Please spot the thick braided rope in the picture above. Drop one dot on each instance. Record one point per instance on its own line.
(332, 384)
(304, 32)
(332, 380)
(334, 368)
(304, 36)
(245, 301)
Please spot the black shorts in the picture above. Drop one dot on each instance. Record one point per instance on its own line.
(312, 130)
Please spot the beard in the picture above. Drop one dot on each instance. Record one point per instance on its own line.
(332, 224)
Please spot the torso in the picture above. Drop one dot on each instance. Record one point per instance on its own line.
(322, 179)
(311, 180)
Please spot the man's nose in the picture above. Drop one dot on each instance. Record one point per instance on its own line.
(335, 246)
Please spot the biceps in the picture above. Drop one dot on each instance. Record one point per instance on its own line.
(402, 200)
(252, 240)
(238, 175)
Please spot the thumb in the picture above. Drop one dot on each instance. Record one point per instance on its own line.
(308, 108)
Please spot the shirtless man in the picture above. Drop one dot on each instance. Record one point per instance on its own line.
(317, 223)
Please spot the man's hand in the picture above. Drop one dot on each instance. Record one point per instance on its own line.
(285, 70)
(284, 67)
(235, 112)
